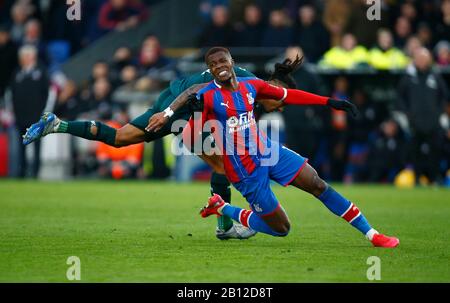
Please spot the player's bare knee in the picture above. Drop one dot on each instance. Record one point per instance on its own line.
(283, 229)
(283, 233)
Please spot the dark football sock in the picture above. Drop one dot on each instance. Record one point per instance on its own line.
(221, 186)
(91, 130)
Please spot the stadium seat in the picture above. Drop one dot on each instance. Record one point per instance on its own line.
(58, 52)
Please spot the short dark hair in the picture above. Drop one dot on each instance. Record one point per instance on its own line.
(216, 49)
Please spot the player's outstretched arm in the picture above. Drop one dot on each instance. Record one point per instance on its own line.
(300, 97)
(158, 120)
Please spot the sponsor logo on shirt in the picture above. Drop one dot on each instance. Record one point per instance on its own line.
(241, 122)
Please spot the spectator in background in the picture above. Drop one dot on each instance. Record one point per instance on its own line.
(100, 70)
(423, 96)
(206, 7)
(19, 16)
(412, 45)
(425, 35)
(311, 35)
(128, 74)
(279, 33)
(339, 130)
(347, 55)
(361, 130)
(249, 33)
(33, 37)
(219, 31)
(94, 100)
(443, 27)
(409, 11)
(304, 125)
(30, 80)
(121, 15)
(402, 31)
(8, 59)
(122, 57)
(386, 153)
(100, 99)
(123, 68)
(385, 55)
(154, 65)
(442, 51)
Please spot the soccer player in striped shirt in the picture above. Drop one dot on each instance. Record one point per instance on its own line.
(227, 103)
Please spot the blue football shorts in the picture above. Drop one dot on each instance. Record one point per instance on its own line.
(256, 187)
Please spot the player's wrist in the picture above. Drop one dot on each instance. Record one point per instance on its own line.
(337, 104)
(168, 112)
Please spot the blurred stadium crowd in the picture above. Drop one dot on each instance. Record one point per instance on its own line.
(412, 37)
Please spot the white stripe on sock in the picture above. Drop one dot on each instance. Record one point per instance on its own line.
(354, 218)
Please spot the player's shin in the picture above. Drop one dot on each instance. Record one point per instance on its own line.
(221, 186)
(91, 130)
(249, 219)
(345, 209)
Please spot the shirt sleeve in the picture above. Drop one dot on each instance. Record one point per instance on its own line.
(288, 96)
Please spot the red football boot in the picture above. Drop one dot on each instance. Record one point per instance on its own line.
(212, 208)
(380, 240)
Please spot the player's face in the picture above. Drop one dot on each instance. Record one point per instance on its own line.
(221, 66)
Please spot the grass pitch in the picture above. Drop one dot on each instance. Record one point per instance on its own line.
(152, 232)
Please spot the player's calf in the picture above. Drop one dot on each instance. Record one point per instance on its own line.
(128, 135)
(309, 181)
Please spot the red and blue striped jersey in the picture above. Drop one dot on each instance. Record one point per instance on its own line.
(233, 123)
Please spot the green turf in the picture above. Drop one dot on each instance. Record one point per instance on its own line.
(151, 232)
